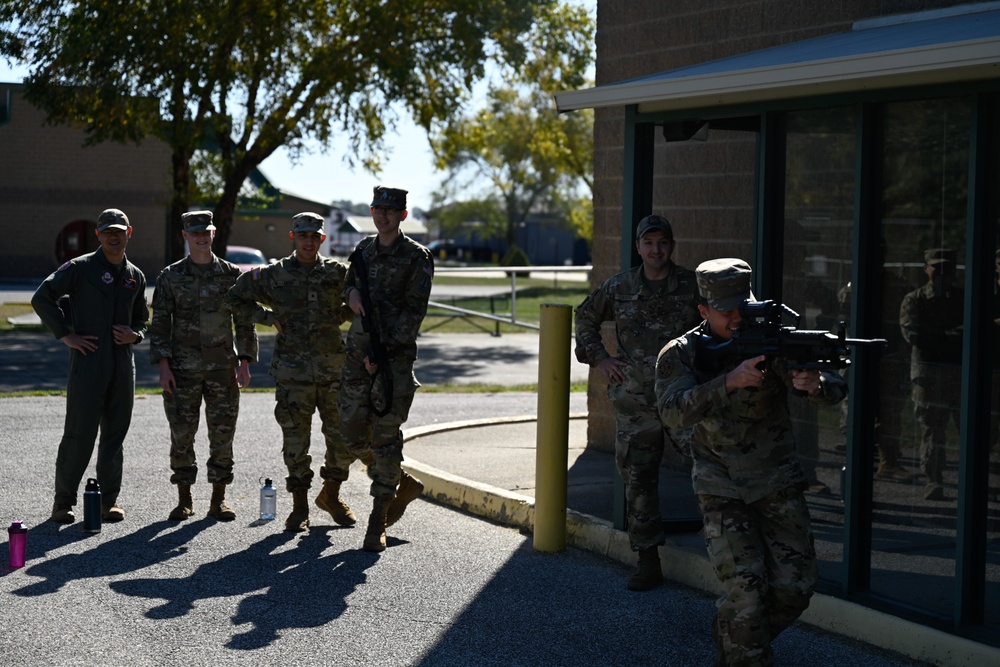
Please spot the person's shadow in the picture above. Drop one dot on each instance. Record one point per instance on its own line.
(286, 577)
(119, 556)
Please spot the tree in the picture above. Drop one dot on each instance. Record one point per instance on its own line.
(528, 152)
(254, 75)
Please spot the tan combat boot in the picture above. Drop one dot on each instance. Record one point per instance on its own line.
(410, 488)
(185, 503)
(647, 574)
(329, 500)
(111, 511)
(218, 507)
(375, 536)
(298, 520)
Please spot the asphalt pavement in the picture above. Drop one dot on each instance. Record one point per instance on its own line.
(460, 584)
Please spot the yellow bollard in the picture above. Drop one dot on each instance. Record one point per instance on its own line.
(552, 438)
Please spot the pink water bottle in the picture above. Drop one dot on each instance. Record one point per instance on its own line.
(17, 543)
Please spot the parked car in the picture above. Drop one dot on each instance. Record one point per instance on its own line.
(245, 257)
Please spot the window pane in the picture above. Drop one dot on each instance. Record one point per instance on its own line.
(924, 222)
(819, 224)
(992, 596)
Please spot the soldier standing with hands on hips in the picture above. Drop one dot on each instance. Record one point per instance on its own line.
(649, 305)
(392, 274)
(303, 293)
(191, 339)
(746, 475)
(108, 314)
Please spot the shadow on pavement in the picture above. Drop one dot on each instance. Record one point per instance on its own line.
(286, 578)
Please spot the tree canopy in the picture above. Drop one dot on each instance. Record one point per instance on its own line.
(529, 153)
(251, 76)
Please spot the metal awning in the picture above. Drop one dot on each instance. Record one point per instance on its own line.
(941, 46)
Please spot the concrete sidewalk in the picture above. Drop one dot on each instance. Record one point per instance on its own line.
(474, 452)
(487, 468)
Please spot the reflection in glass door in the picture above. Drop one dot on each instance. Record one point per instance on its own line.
(818, 238)
(925, 195)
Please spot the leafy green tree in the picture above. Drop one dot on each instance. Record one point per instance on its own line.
(254, 75)
(531, 156)
(468, 217)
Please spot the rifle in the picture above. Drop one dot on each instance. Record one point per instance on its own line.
(380, 393)
(762, 332)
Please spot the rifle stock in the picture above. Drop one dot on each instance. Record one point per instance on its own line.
(380, 392)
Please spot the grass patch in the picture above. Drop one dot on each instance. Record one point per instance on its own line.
(575, 387)
(529, 302)
(531, 294)
(8, 310)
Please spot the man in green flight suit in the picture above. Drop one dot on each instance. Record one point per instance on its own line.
(191, 339)
(107, 315)
(303, 293)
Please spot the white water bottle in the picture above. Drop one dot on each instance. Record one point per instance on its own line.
(268, 501)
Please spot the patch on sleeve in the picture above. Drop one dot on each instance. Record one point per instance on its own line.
(255, 273)
(64, 266)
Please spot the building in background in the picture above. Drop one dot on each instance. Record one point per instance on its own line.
(52, 189)
(832, 145)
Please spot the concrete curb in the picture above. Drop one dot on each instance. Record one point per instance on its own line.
(683, 565)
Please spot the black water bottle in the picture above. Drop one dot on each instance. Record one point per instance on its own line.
(92, 507)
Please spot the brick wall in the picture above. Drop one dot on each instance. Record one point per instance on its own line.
(704, 188)
(48, 180)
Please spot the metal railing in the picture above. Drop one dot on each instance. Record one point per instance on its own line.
(510, 271)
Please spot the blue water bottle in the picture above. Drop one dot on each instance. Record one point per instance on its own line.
(92, 507)
(268, 501)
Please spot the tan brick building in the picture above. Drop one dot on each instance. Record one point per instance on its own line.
(832, 144)
(52, 189)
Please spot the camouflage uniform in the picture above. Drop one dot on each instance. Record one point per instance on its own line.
(930, 318)
(646, 317)
(749, 485)
(101, 387)
(308, 354)
(893, 372)
(193, 328)
(399, 280)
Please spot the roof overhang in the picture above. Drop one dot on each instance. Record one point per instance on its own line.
(943, 46)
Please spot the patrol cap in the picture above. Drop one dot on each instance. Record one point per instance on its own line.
(197, 221)
(394, 197)
(724, 283)
(307, 222)
(654, 222)
(112, 218)
(939, 256)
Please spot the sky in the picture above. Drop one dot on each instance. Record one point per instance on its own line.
(322, 175)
